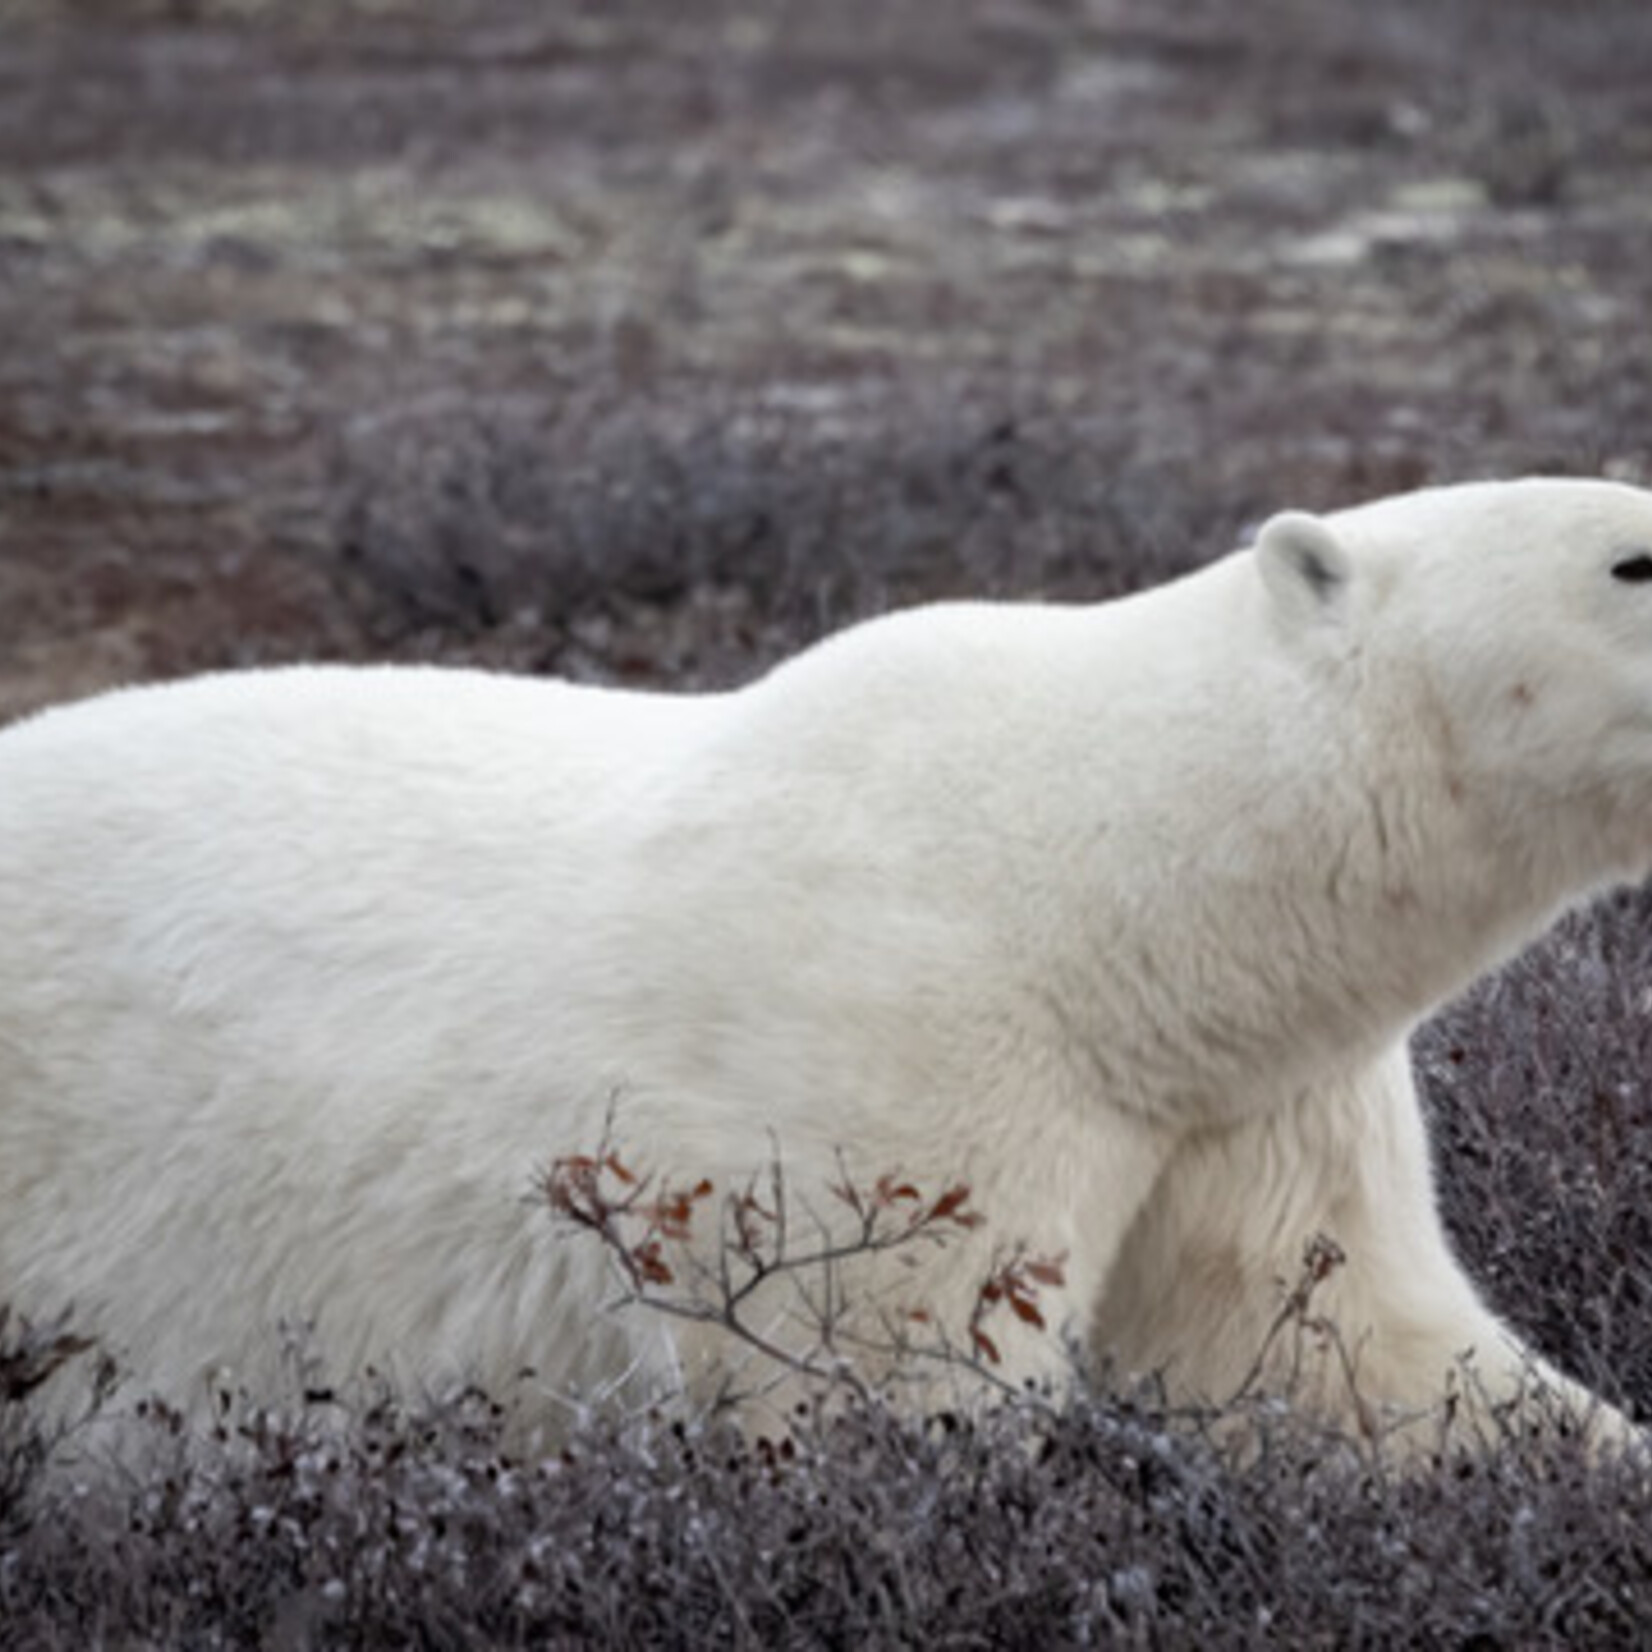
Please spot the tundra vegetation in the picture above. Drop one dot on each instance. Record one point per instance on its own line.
(644, 344)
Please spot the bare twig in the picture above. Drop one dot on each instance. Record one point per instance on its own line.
(648, 1229)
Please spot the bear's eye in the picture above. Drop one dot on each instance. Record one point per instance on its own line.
(1635, 569)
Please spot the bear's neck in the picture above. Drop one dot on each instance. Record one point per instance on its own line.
(1433, 885)
(1315, 923)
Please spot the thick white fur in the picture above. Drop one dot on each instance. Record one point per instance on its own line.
(1122, 913)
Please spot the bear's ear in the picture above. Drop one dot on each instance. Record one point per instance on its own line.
(1305, 568)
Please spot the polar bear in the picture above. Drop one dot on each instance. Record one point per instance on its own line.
(1121, 913)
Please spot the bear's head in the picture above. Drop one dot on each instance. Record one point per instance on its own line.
(1497, 636)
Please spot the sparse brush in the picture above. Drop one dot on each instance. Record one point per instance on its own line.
(757, 1257)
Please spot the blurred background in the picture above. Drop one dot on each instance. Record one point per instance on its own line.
(642, 340)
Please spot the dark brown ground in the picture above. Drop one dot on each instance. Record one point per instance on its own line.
(640, 339)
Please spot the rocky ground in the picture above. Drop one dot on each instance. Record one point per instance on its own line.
(642, 340)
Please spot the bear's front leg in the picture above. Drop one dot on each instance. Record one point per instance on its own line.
(1204, 1275)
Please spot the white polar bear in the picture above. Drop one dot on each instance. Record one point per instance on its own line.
(1121, 913)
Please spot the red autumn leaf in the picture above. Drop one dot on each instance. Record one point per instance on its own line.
(985, 1345)
(651, 1265)
(889, 1192)
(1026, 1311)
(613, 1163)
(675, 1221)
(949, 1204)
(1047, 1271)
